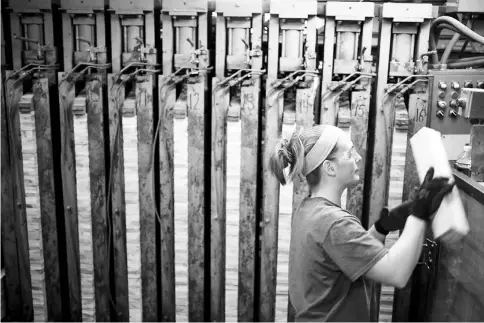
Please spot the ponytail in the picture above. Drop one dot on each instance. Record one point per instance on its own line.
(287, 153)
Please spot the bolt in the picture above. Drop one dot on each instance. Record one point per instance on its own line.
(283, 20)
(69, 208)
(19, 205)
(90, 15)
(116, 211)
(216, 217)
(192, 17)
(267, 220)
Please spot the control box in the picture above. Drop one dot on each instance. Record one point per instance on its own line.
(471, 104)
(446, 95)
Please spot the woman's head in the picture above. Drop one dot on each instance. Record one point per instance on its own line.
(320, 153)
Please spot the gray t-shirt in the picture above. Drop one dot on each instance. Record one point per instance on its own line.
(329, 254)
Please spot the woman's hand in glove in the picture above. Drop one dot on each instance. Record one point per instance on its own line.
(430, 195)
(394, 219)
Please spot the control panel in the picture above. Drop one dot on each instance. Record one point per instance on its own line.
(448, 94)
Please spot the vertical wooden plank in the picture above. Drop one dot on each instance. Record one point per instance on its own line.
(248, 199)
(218, 201)
(270, 195)
(47, 198)
(98, 198)
(17, 45)
(167, 100)
(30, 180)
(360, 108)
(68, 41)
(83, 193)
(68, 173)
(383, 129)
(382, 139)
(127, 125)
(250, 96)
(116, 49)
(144, 97)
(116, 188)
(196, 202)
(9, 242)
(328, 113)
(14, 94)
(417, 119)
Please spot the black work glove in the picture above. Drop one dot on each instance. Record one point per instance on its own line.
(430, 195)
(426, 203)
(394, 219)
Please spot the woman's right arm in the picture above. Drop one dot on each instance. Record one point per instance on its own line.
(396, 267)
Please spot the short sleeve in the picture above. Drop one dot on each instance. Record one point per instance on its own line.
(353, 249)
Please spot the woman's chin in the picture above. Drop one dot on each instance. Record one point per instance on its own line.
(356, 179)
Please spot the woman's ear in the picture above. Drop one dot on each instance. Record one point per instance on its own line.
(329, 168)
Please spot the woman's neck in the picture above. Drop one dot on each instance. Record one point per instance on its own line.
(328, 192)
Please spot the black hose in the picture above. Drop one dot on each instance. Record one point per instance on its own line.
(457, 25)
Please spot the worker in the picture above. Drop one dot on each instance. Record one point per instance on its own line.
(333, 260)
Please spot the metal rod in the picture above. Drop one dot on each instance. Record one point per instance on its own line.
(338, 44)
(355, 49)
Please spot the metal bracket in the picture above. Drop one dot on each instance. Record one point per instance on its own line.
(40, 48)
(428, 251)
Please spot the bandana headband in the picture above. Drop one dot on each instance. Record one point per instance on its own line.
(321, 149)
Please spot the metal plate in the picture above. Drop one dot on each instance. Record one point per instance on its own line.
(294, 9)
(83, 4)
(131, 6)
(351, 10)
(178, 7)
(402, 12)
(238, 9)
(31, 5)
